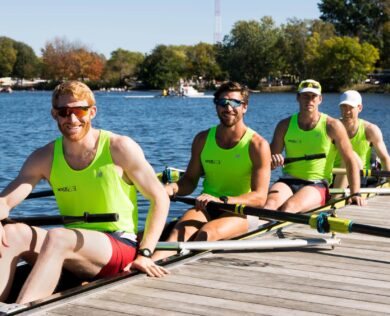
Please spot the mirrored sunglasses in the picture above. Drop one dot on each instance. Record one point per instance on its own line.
(234, 103)
(309, 84)
(79, 111)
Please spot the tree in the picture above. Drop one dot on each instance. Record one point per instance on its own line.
(7, 56)
(342, 61)
(202, 61)
(123, 64)
(27, 63)
(250, 52)
(70, 60)
(163, 67)
(357, 18)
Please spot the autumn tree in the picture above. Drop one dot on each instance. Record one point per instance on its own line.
(66, 60)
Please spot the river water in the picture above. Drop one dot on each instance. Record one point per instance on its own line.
(164, 127)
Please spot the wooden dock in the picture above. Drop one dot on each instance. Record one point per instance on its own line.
(352, 279)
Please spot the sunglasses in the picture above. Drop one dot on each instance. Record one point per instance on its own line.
(234, 103)
(309, 84)
(79, 111)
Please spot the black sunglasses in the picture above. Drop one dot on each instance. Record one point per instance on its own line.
(234, 103)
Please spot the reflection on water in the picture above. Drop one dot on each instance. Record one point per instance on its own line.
(164, 127)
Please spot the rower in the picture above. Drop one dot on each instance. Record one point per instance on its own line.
(235, 161)
(304, 184)
(89, 170)
(366, 138)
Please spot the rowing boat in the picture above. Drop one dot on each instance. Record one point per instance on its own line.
(71, 287)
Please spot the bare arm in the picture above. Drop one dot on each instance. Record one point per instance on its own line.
(260, 155)
(374, 136)
(129, 156)
(277, 144)
(188, 183)
(36, 167)
(337, 132)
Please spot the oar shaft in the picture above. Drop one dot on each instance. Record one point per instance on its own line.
(362, 190)
(364, 172)
(246, 244)
(40, 194)
(61, 220)
(370, 230)
(306, 157)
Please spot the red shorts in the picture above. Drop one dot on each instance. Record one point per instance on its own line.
(296, 184)
(122, 255)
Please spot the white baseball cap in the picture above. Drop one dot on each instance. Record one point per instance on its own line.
(351, 97)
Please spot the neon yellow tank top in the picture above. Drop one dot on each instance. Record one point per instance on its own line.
(96, 189)
(227, 171)
(360, 145)
(316, 141)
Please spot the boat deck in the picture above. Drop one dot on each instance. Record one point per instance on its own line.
(352, 279)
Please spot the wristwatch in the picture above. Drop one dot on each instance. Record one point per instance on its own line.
(224, 199)
(145, 252)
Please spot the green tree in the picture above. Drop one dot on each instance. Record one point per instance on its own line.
(361, 18)
(27, 62)
(342, 61)
(7, 56)
(123, 65)
(163, 67)
(202, 61)
(249, 53)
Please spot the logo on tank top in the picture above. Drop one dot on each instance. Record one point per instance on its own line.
(294, 141)
(99, 174)
(213, 161)
(67, 189)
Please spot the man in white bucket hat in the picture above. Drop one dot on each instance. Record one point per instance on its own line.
(364, 136)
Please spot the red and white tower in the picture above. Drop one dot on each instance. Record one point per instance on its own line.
(217, 26)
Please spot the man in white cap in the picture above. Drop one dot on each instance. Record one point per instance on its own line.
(363, 136)
(304, 184)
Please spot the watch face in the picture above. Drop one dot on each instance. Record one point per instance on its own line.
(145, 252)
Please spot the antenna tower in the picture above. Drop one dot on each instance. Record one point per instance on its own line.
(217, 26)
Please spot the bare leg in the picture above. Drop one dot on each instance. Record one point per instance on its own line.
(305, 199)
(223, 228)
(24, 241)
(277, 195)
(188, 225)
(341, 180)
(82, 252)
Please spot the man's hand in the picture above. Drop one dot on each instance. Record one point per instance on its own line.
(147, 266)
(203, 199)
(358, 200)
(277, 160)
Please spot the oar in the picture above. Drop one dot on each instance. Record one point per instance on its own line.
(61, 219)
(364, 172)
(322, 222)
(246, 244)
(170, 174)
(383, 191)
(306, 157)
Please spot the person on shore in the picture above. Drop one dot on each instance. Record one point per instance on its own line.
(304, 184)
(235, 161)
(89, 170)
(364, 137)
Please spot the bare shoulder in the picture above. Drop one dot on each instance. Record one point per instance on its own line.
(372, 131)
(40, 161)
(200, 139)
(259, 141)
(123, 148)
(333, 124)
(283, 124)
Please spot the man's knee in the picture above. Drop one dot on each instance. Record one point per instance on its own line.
(57, 240)
(18, 235)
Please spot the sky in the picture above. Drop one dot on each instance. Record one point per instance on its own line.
(136, 25)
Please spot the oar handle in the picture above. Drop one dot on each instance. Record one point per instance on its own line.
(40, 194)
(306, 157)
(364, 172)
(61, 219)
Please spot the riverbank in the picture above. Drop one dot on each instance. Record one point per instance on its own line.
(361, 87)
